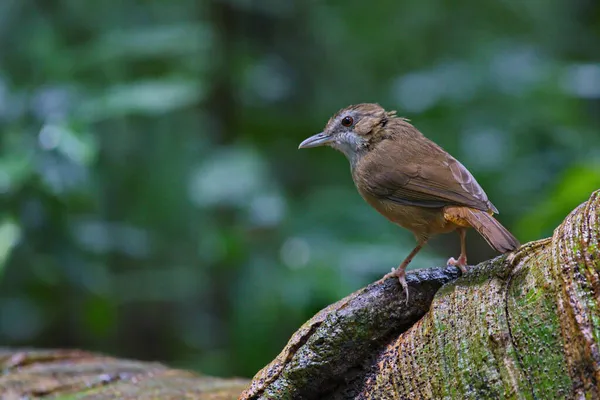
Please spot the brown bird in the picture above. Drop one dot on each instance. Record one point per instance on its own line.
(411, 181)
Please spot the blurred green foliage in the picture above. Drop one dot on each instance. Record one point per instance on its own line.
(154, 204)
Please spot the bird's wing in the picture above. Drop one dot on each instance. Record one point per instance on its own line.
(432, 178)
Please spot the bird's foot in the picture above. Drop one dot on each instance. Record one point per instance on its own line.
(461, 263)
(399, 273)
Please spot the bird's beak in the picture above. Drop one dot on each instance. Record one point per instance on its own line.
(320, 139)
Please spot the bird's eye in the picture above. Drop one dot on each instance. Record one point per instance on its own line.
(347, 121)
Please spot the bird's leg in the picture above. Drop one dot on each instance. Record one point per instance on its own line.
(400, 272)
(462, 259)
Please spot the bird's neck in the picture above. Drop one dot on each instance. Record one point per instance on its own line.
(352, 146)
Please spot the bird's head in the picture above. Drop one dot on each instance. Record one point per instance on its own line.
(352, 129)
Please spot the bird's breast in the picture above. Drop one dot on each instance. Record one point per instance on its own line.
(422, 221)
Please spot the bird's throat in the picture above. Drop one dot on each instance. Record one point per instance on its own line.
(352, 145)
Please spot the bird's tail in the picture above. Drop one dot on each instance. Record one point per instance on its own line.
(497, 236)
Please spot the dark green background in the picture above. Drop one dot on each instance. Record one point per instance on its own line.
(153, 201)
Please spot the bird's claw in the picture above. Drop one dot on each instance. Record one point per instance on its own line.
(460, 263)
(401, 275)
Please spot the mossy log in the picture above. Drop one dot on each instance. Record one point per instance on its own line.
(522, 326)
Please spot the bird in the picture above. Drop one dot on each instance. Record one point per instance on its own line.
(411, 181)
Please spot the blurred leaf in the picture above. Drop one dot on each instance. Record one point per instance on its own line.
(79, 148)
(10, 234)
(144, 97)
(14, 169)
(156, 41)
(229, 177)
(573, 188)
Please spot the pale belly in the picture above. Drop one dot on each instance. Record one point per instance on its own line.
(422, 221)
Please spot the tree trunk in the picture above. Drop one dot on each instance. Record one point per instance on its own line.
(524, 325)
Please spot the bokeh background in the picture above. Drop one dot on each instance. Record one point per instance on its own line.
(154, 204)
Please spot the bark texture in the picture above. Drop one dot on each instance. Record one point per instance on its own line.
(522, 326)
(73, 374)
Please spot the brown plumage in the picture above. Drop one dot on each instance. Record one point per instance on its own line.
(411, 180)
